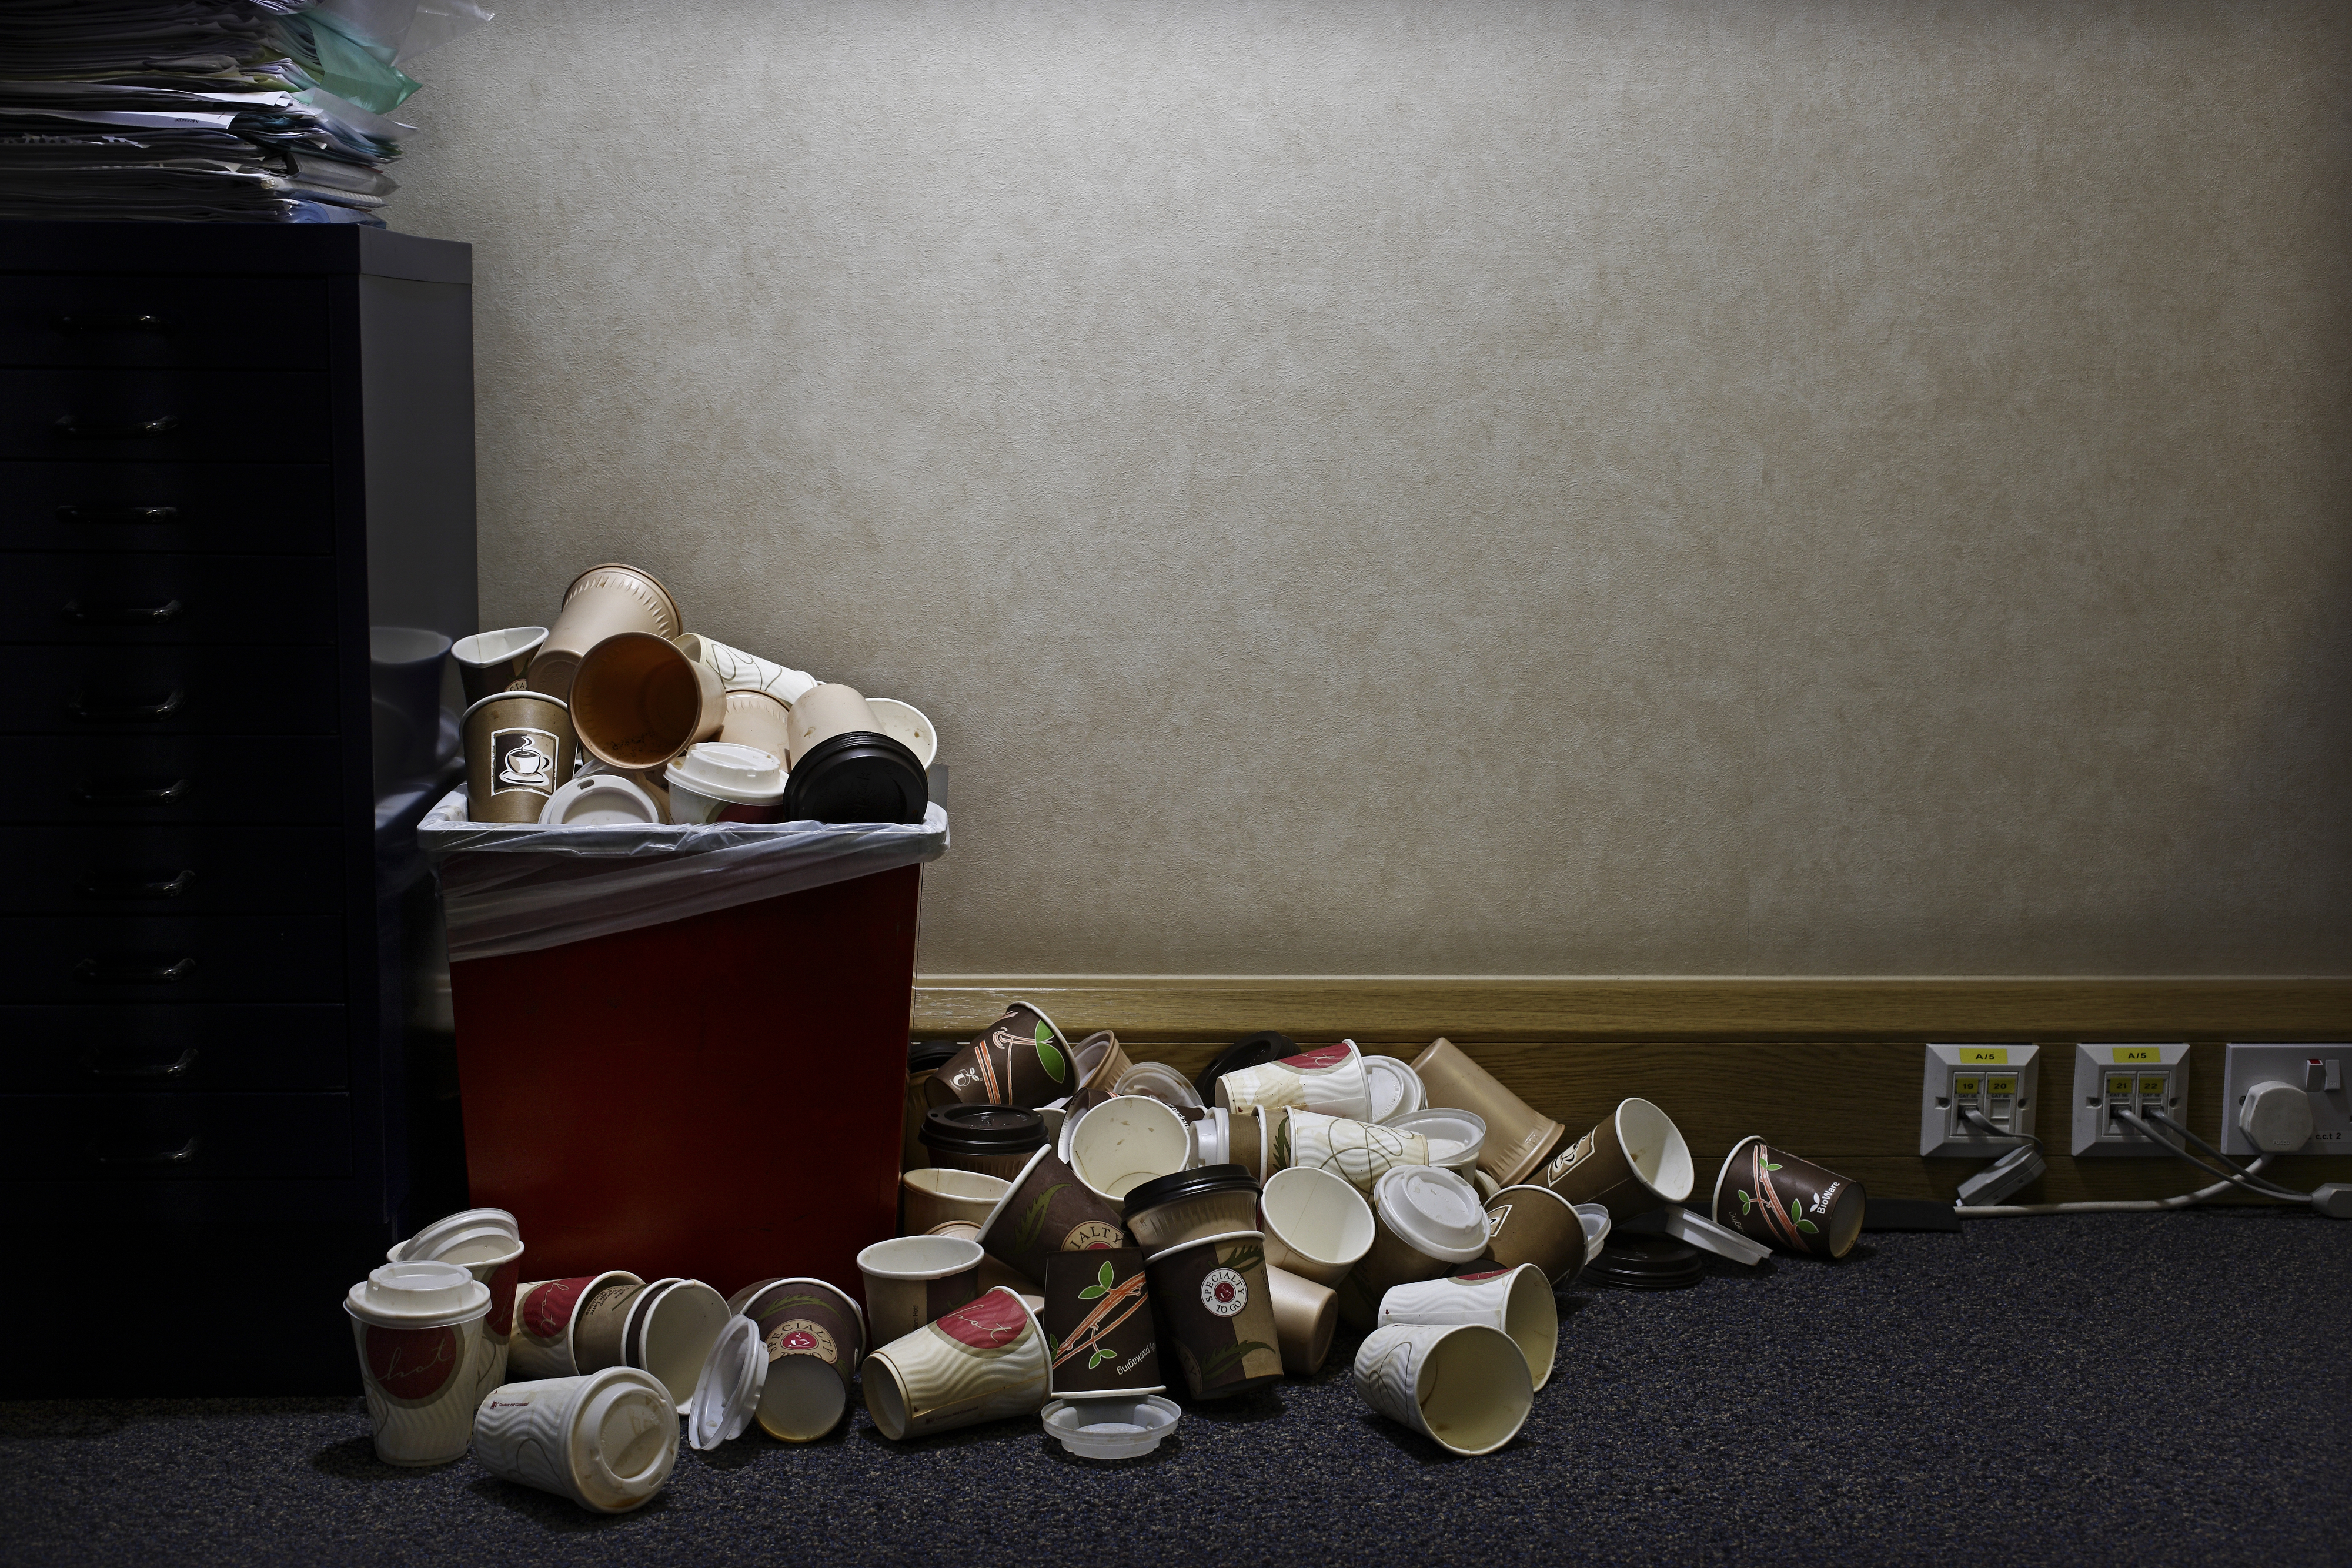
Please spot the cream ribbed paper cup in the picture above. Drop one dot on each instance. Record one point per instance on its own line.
(417, 1328)
(1329, 1079)
(607, 1441)
(1516, 1300)
(1464, 1386)
(1358, 1152)
(982, 1362)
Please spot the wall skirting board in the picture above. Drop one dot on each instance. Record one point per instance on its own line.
(1828, 1067)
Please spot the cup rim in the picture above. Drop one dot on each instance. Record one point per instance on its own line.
(1011, 1186)
(855, 1306)
(882, 1271)
(1152, 1257)
(480, 702)
(475, 661)
(1618, 1132)
(1723, 1173)
(1266, 1220)
(1183, 1131)
(677, 619)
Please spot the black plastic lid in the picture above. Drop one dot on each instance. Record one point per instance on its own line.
(1266, 1045)
(860, 776)
(1188, 1184)
(1643, 1262)
(929, 1055)
(982, 1129)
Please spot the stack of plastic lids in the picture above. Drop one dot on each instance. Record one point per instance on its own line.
(209, 111)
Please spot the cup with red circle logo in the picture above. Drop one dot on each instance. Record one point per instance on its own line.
(814, 1336)
(418, 1330)
(1216, 1306)
(549, 1316)
(483, 1242)
(982, 1362)
(1328, 1079)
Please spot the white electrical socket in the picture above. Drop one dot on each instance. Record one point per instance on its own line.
(2135, 1078)
(2324, 1072)
(1999, 1079)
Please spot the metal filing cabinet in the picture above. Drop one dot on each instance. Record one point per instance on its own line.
(236, 534)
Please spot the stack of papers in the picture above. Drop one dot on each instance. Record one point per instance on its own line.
(209, 111)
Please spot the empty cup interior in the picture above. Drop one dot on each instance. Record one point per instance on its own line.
(497, 647)
(940, 1181)
(803, 1399)
(636, 701)
(1121, 1144)
(885, 1400)
(681, 1328)
(1317, 1214)
(1475, 1390)
(1531, 1317)
(1655, 1147)
(918, 1256)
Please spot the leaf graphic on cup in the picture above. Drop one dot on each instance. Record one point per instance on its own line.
(1034, 1220)
(1104, 1279)
(1048, 1057)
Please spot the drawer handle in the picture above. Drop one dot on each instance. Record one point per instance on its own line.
(74, 428)
(90, 972)
(119, 1156)
(135, 887)
(90, 794)
(117, 514)
(125, 713)
(122, 614)
(173, 1069)
(88, 321)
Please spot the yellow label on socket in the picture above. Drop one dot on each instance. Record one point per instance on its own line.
(1966, 1088)
(2119, 1085)
(2003, 1085)
(1985, 1055)
(2126, 1053)
(2151, 1086)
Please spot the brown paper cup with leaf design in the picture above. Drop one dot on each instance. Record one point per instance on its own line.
(1772, 1196)
(1021, 1060)
(1635, 1161)
(1217, 1306)
(911, 1281)
(1099, 1329)
(815, 1336)
(1049, 1210)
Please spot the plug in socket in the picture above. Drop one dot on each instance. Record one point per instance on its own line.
(2135, 1078)
(1998, 1081)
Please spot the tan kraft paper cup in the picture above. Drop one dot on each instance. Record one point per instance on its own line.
(606, 1441)
(1306, 1316)
(1517, 1136)
(823, 711)
(1516, 1300)
(492, 661)
(934, 1195)
(1531, 1224)
(637, 701)
(546, 1323)
(1100, 1059)
(983, 1362)
(1464, 1386)
(605, 599)
(757, 719)
(917, 1280)
(1318, 1226)
(519, 749)
(1634, 1161)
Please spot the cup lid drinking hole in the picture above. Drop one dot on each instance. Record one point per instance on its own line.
(729, 770)
(419, 1295)
(982, 1129)
(1435, 1211)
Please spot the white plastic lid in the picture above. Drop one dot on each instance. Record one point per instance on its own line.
(1457, 1138)
(728, 1392)
(1161, 1082)
(428, 1241)
(419, 1295)
(728, 770)
(599, 801)
(1395, 1088)
(1701, 1231)
(1111, 1428)
(1434, 1210)
(1212, 1137)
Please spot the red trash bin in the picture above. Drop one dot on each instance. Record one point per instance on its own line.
(717, 1097)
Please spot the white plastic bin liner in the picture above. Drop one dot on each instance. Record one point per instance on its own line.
(516, 888)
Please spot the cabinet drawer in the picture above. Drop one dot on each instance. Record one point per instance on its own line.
(225, 690)
(174, 1137)
(174, 958)
(123, 416)
(241, 509)
(127, 778)
(232, 322)
(116, 1049)
(140, 870)
(115, 599)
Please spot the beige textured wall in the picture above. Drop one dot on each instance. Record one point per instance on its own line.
(1668, 489)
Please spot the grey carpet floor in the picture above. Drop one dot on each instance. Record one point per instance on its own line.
(2118, 1389)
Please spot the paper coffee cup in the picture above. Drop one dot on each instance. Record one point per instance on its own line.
(743, 672)
(983, 1362)
(717, 781)
(1126, 1142)
(1306, 1316)
(547, 1316)
(823, 711)
(417, 1328)
(1045, 1210)
(1100, 1059)
(1426, 1222)
(483, 1243)
(637, 701)
(1099, 1329)
(607, 1441)
(1517, 1136)
(1217, 1309)
(906, 724)
(1771, 1196)
(760, 721)
(933, 1196)
(492, 661)
(1634, 1161)
(1516, 1300)
(1530, 1224)
(911, 1281)
(1316, 1225)
(669, 1335)
(814, 1336)
(994, 1139)
(1021, 1060)
(1465, 1386)
(603, 602)
(1328, 1079)
(1359, 1152)
(1190, 1204)
(518, 753)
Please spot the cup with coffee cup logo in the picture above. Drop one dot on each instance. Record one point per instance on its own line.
(814, 1335)
(1022, 1059)
(1771, 1196)
(417, 1328)
(549, 1316)
(494, 661)
(518, 753)
(1360, 1152)
(1217, 1309)
(1517, 1136)
(1464, 1386)
(911, 1281)
(1531, 1224)
(1634, 1161)
(1099, 1329)
(607, 1439)
(1316, 1225)
(1516, 1300)
(605, 600)
(985, 1361)
(1046, 1210)
(1328, 1079)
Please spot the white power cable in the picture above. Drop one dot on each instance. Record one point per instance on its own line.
(2119, 1206)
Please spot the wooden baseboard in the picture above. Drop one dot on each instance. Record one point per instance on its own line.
(1830, 1069)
